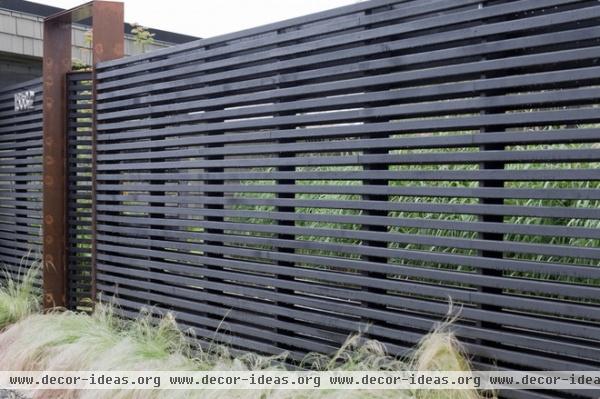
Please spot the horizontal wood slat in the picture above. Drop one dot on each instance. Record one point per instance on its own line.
(20, 181)
(79, 162)
(358, 167)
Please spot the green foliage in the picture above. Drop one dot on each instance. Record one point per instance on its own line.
(88, 37)
(102, 341)
(19, 298)
(77, 341)
(78, 65)
(142, 36)
(407, 227)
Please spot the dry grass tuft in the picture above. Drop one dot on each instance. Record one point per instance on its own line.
(76, 341)
(19, 299)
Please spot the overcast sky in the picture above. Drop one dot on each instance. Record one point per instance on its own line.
(207, 18)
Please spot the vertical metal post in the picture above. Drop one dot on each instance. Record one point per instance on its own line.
(108, 31)
(108, 44)
(57, 62)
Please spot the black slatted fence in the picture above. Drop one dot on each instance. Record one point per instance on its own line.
(356, 170)
(360, 169)
(79, 155)
(20, 177)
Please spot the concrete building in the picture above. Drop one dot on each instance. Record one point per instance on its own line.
(21, 30)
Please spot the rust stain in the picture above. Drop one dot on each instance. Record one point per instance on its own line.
(49, 301)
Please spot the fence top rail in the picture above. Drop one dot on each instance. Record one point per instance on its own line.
(256, 31)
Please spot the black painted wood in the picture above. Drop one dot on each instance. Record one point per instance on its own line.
(79, 126)
(20, 181)
(360, 166)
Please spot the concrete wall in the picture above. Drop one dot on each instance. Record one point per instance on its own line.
(21, 47)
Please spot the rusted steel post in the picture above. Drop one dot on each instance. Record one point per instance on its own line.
(107, 26)
(57, 62)
(108, 42)
(108, 31)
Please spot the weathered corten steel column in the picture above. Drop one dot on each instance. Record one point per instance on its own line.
(108, 45)
(107, 27)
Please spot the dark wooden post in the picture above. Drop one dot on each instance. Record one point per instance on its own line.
(107, 44)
